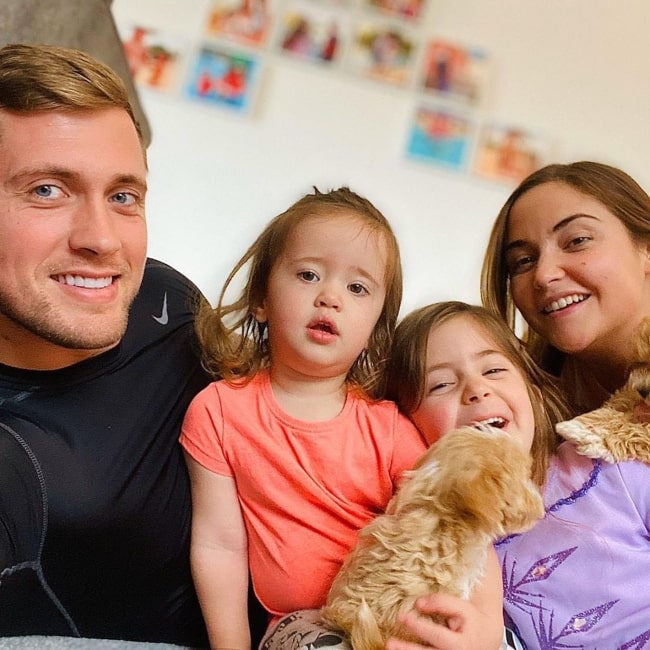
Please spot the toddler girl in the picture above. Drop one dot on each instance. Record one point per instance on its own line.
(290, 454)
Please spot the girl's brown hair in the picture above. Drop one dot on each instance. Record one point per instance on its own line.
(235, 345)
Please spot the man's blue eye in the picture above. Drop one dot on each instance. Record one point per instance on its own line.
(44, 191)
(124, 198)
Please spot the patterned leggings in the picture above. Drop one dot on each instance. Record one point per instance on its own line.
(304, 630)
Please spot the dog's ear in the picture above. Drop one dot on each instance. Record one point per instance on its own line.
(488, 484)
(641, 338)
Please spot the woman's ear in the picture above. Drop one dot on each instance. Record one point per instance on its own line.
(260, 314)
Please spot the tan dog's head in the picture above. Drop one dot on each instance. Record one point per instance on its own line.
(639, 373)
(478, 475)
(620, 429)
(634, 396)
(638, 380)
(642, 341)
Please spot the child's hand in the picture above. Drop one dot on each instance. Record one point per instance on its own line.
(469, 628)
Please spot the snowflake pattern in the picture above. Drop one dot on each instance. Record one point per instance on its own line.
(577, 624)
(514, 592)
(638, 643)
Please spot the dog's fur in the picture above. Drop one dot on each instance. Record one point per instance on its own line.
(618, 430)
(468, 489)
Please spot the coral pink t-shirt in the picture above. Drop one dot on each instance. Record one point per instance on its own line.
(305, 488)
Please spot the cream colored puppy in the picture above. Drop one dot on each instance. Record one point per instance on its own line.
(469, 489)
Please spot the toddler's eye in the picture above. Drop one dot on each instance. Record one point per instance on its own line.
(308, 276)
(358, 289)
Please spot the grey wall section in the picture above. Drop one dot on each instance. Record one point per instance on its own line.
(82, 24)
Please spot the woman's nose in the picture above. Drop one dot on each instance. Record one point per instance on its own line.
(547, 269)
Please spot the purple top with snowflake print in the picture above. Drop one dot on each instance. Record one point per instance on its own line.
(581, 577)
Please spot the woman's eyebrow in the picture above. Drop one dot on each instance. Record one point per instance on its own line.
(517, 243)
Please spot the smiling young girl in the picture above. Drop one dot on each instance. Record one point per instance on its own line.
(577, 579)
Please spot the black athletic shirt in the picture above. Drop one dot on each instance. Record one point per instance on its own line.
(94, 493)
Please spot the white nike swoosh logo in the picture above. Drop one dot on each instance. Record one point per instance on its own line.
(163, 319)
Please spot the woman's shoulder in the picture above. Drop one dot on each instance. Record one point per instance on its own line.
(573, 476)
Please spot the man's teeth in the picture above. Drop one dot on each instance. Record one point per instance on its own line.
(86, 283)
(556, 305)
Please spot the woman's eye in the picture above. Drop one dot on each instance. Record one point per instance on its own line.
(308, 276)
(576, 242)
(520, 264)
(358, 289)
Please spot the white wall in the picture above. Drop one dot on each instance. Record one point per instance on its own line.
(574, 70)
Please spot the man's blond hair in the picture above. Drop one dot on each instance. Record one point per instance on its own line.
(40, 78)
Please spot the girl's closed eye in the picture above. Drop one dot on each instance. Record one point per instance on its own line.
(440, 385)
(496, 371)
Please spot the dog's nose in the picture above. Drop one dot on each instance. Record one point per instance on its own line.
(644, 391)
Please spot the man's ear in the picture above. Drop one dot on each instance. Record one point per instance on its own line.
(260, 314)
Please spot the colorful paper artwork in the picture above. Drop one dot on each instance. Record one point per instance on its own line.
(507, 153)
(154, 58)
(455, 72)
(383, 52)
(441, 137)
(223, 77)
(313, 32)
(245, 21)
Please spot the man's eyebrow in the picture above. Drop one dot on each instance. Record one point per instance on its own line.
(518, 243)
(46, 170)
(64, 173)
(130, 179)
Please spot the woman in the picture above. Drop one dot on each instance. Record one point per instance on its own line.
(570, 251)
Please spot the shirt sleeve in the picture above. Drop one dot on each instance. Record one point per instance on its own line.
(201, 433)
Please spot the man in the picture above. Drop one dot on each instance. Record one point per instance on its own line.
(97, 366)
